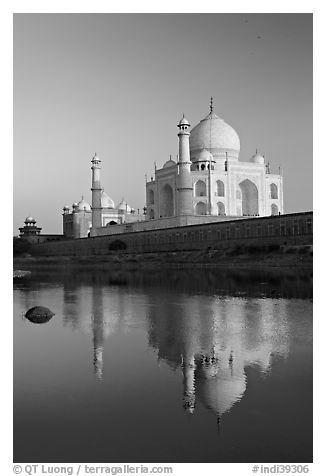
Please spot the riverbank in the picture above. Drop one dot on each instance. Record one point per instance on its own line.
(296, 258)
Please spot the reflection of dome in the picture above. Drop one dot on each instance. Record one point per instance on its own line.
(257, 159)
(84, 206)
(30, 220)
(123, 205)
(214, 134)
(169, 163)
(221, 392)
(106, 201)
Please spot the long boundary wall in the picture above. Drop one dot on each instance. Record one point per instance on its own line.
(289, 229)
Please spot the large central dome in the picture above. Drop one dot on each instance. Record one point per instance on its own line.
(215, 135)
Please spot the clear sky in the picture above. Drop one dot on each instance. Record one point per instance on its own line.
(118, 84)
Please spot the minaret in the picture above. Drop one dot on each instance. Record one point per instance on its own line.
(184, 180)
(96, 194)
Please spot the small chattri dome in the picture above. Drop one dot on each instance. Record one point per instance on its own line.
(84, 206)
(204, 156)
(96, 158)
(75, 205)
(66, 207)
(169, 163)
(106, 201)
(30, 219)
(183, 121)
(123, 206)
(257, 158)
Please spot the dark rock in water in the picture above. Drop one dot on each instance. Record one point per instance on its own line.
(39, 314)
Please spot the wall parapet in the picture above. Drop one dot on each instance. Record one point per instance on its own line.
(294, 228)
(162, 223)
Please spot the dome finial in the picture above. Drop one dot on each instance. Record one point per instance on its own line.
(211, 107)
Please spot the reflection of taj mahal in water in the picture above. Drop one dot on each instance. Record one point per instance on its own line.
(212, 348)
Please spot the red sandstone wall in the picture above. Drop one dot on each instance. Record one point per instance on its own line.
(290, 229)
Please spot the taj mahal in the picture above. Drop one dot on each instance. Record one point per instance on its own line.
(206, 183)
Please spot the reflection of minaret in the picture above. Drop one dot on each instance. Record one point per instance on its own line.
(190, 335)
(189, 390)
(71, 304)
(98, 330)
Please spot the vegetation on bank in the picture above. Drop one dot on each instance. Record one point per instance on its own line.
(251, 257)
(268, 249)
(20, 247)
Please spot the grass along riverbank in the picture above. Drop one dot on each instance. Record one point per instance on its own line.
(251, 257)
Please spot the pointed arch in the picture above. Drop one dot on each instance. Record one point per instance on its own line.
(220, 208)
(117, 245)
(200, 208)
(200, 189)
(220, 188)
(274, 209)
(274, 191)
(249, 192)
(167, 204)
(150, 197)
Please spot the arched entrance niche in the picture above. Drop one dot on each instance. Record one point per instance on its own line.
(151, 214)
(220, 188)
(200, 208)
(274, 191)
(220, 208)
(167, 201)
(249, 194)
(274, 209)
(151, 197)
(200, 189)
(117, 245)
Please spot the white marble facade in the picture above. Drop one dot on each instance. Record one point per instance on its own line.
(222, 185)
(208, 182)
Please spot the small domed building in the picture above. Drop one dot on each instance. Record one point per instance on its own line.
(81, 217)
(30, 231)
(209, 179)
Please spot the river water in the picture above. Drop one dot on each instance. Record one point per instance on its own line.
(173, 366)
